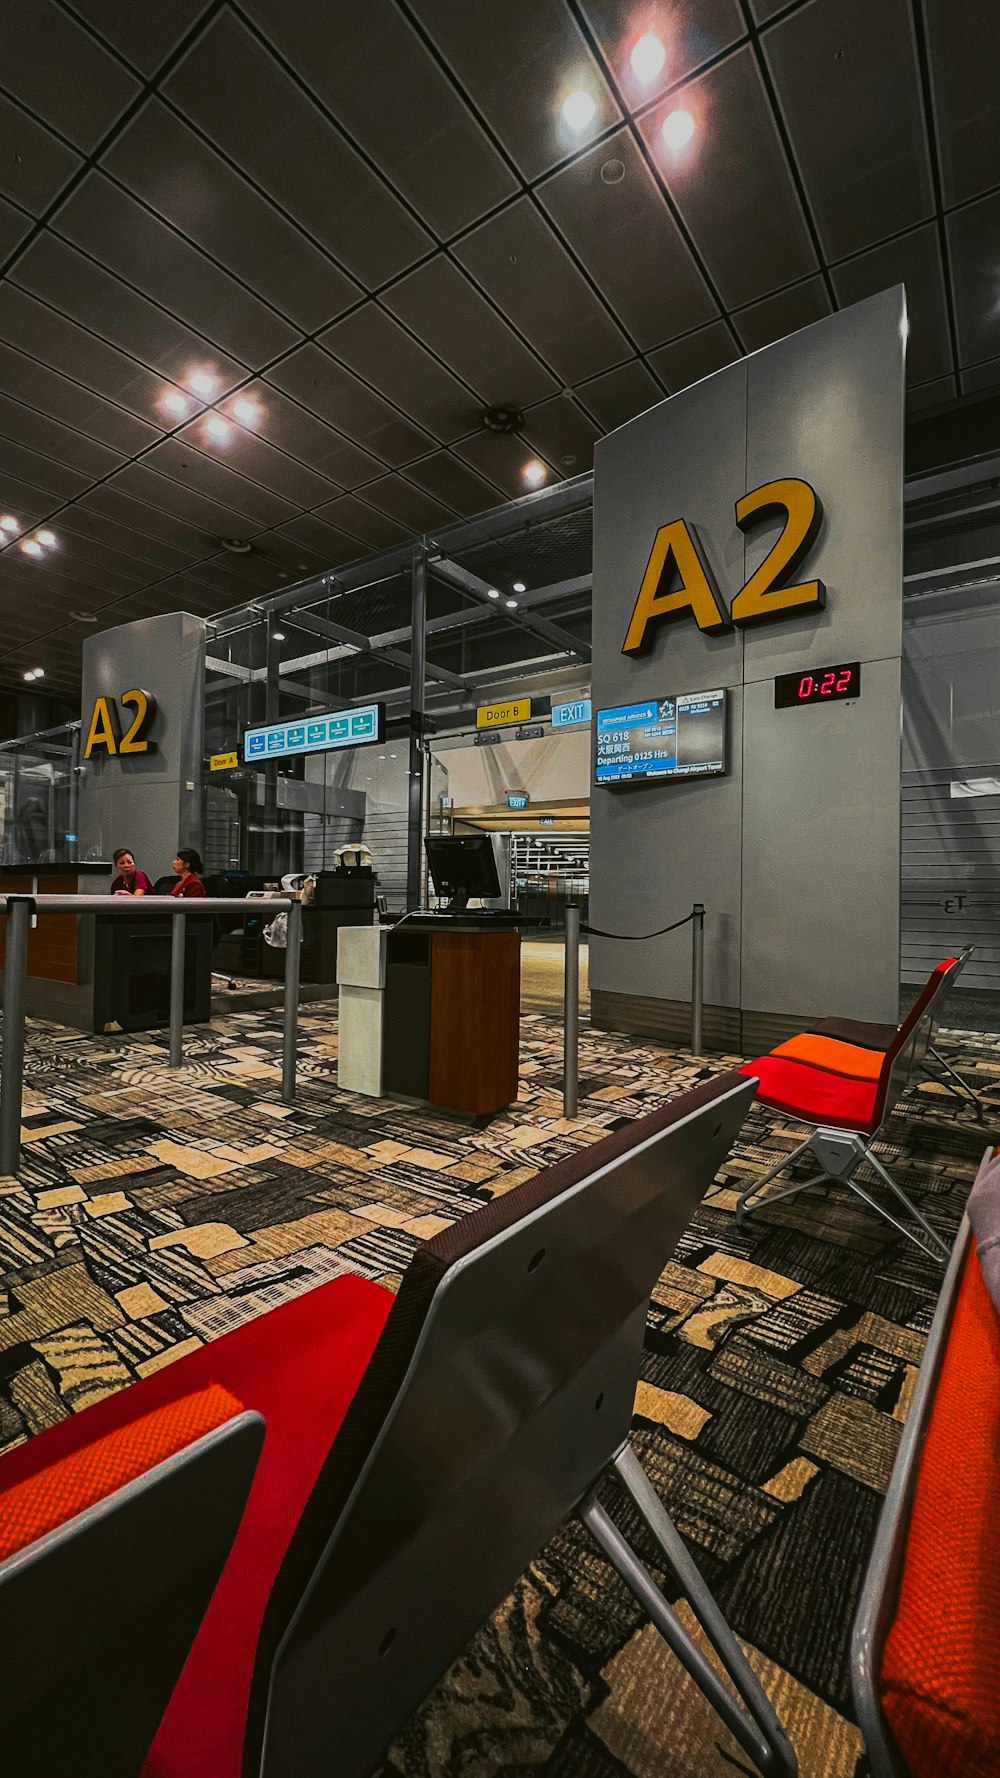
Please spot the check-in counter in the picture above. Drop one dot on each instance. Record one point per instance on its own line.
(435, 1002)
(104, 973)
(61, 946)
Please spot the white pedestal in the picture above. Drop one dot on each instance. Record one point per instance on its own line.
(361, 985)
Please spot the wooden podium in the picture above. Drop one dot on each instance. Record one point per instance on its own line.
(450, 1013)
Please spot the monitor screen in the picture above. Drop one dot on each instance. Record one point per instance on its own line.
(680, 737)
(463, 865)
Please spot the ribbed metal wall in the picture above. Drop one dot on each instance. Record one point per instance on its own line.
(950, 874)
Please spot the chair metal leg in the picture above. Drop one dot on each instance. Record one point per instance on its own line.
(961, 1089)
(751, 1720)
(752, 1191)
(840, 1154)
(907, 1203)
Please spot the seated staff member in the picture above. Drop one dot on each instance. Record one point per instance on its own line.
(188, 867)
(130, 880)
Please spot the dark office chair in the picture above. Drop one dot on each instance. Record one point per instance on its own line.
(483, 1406)
(111, 1552)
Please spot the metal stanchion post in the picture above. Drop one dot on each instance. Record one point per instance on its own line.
(15, 976)
(177, 947)
(571, 1012)
(697, 976)
(291, 1024)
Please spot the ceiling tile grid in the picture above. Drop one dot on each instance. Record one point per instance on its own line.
(368, 224)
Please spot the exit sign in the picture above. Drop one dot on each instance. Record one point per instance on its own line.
(517, 799)
(571, 715)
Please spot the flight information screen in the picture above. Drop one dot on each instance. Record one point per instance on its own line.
(682, 737)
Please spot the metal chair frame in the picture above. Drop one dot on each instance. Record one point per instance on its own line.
(514, 1409)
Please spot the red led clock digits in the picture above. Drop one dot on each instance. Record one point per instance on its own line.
(845, 679)
(806, 686)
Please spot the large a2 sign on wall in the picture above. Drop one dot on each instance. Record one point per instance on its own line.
(677, 583)
(748, 538)
(121, 725)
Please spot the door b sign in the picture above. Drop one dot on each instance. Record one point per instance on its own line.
(676, 582)
(106, 733)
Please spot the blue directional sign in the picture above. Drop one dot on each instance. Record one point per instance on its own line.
(320, 734)
(571, 715)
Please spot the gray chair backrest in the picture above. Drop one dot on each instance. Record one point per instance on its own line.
(501, 1388)
(909, 1047)
(880, 1594)
(97, 1617)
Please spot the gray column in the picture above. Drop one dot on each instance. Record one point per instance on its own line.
(415, 811)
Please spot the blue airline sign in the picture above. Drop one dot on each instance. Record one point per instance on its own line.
(358, 727)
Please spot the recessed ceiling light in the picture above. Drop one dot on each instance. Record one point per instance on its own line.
(201, 383)
(277, 635)
(9, 524)
(492, 593)
(579, 110)
(84, 617)
(519, 586)
(511, 604)
(47, 539)
(246, 412)
(175, 403)
(647, 58)
(677, 129)
(534, 472)
(30, 547)
(34, 673)
(217, 427)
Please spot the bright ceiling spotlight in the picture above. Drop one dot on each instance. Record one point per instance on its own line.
(519, 586)
(218, 428)
(31, 548)
(9, 524)
(534, 472)
(29, 675)
(47, 539)
(579, 110)
(277, 635)
(647, 58)
(200, 383)
(492, 593)
(246, 412)
(175, 403)
(39, 672)
(511, 604)
(677, 129)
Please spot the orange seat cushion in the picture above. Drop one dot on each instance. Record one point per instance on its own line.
(940, 1676)
(814, 1095)
(57, 1493)
(829, 1052)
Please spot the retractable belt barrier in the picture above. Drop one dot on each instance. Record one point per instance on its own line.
(571, 988)
(23, 911)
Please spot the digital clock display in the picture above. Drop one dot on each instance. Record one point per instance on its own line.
(821, 685)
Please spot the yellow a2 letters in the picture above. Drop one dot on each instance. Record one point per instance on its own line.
(105, 731)
(676, 582)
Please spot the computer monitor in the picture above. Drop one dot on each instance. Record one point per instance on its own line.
(461, 865)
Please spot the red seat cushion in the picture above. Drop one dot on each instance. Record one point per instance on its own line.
(299, 1367)
(941, 1664)
(39, 1503)
(813, 1094)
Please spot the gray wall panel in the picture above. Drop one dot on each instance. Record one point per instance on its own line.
(662, 848)
(656, 849)
(143, 801)
(821, 852)
(827, 405)
(796, 853)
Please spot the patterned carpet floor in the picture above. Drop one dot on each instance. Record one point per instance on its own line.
(156, 1210)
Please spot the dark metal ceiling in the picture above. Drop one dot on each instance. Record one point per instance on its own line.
(369, 218)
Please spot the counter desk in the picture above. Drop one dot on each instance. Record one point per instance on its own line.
(98, 974)
(430, 1010)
